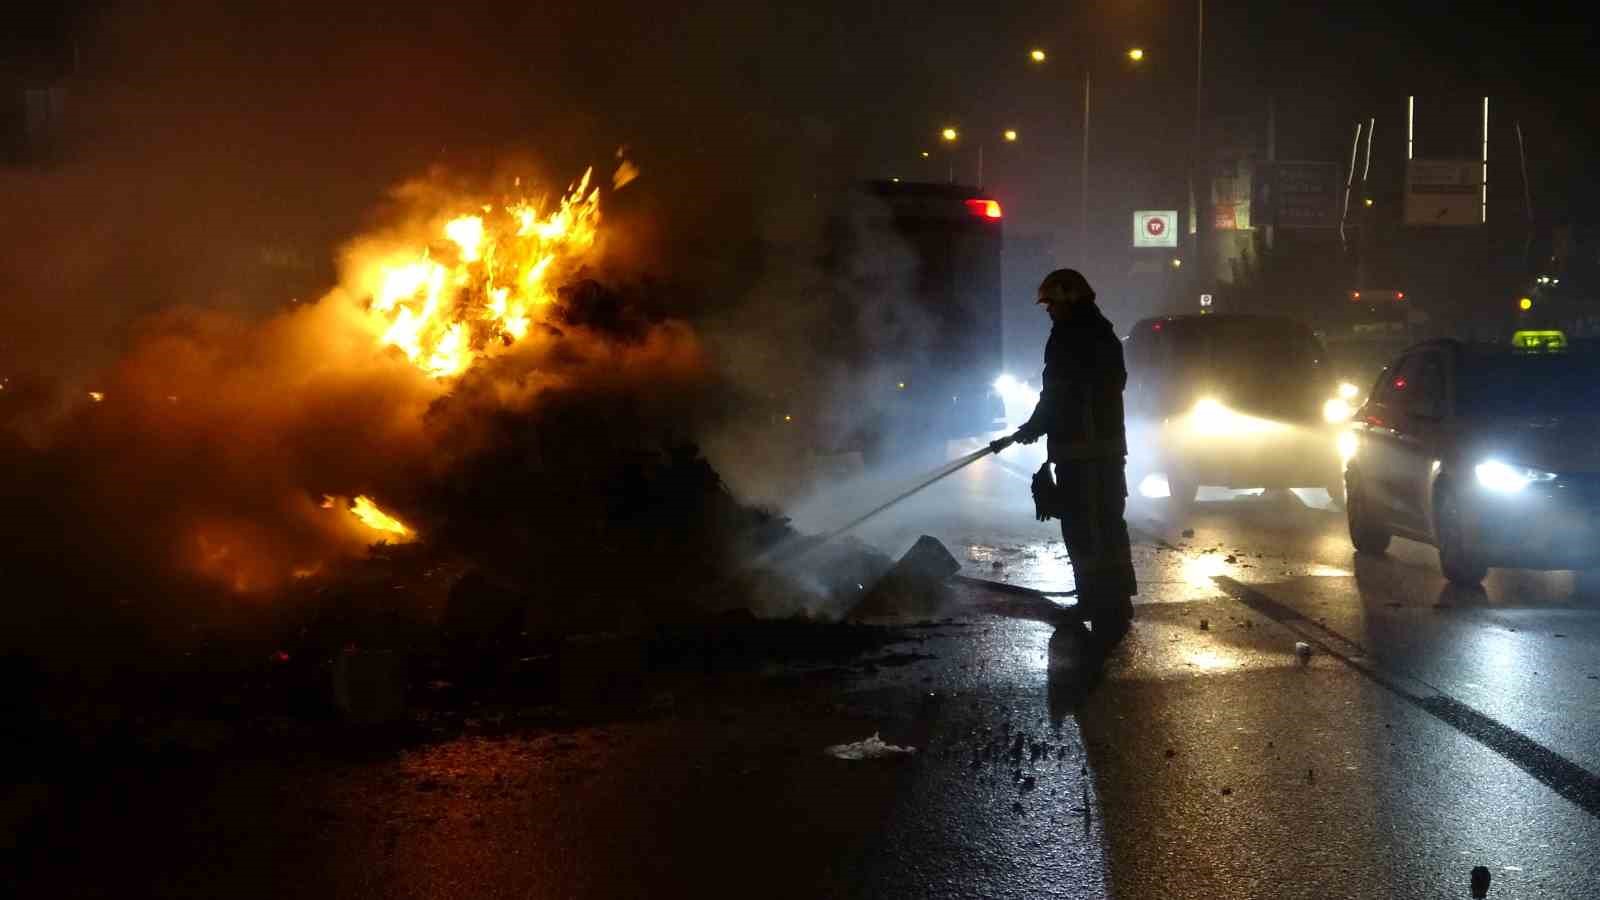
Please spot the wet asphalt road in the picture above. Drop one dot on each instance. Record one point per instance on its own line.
(1430, 730)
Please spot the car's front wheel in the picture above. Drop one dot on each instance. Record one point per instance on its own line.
(1366, 533)
(1458, 559)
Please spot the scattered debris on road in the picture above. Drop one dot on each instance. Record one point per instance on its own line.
(871, 748)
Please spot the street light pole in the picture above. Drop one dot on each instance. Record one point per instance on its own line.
(1083, 174)
(949, 135)
(1196, 219)
(1136, 55)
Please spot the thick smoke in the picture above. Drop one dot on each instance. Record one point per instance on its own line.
(173, 254)
(227, 448)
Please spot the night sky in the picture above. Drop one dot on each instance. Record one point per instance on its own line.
(289, 120)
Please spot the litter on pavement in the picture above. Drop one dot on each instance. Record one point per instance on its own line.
(871, 748)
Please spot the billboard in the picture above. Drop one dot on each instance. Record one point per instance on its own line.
(1155, 228)
(1230, 195)
(1297, 194)
(1444, 192)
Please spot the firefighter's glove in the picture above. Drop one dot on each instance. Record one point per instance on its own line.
(1046, 498)
(1024, 437)
(995, 446)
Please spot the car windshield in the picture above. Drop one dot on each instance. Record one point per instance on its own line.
(1243, 342)
(1530, 385)
(1256, 351)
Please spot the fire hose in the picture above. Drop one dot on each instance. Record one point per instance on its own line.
(927, 481)
(1044, 507)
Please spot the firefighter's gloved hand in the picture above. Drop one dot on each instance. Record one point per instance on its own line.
(1024, 437)
(995, 446)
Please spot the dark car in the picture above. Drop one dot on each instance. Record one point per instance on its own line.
(1232, 401)
(1489, 453)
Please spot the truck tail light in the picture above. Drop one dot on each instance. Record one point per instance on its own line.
(989, 209)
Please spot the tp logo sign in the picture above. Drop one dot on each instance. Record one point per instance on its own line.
(1155, 228)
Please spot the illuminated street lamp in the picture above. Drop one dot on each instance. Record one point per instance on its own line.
(1037, 55)
(1136, 54)
(1010, 134)
(949, 135)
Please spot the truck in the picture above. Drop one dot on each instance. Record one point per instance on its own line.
(912, 294)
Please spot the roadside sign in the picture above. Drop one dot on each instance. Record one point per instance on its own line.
(1296, 194)
(1205, 300)
(1444, 192)
(1155, 228)
(1232, 186)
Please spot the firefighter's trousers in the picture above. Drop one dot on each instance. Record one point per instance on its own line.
(1093, 494)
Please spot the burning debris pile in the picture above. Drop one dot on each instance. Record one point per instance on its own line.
(478, 428)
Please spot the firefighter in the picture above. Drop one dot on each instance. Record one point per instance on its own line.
(1080, 409)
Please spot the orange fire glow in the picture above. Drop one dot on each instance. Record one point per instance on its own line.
(482, 285)
(335, 395)
(371, 516)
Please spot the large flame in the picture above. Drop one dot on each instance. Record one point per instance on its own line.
(482, 283)
(367, 511)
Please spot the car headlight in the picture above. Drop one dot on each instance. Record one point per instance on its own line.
(1337, 410)
(1347, 444)
(1210, 416)
(1348, 391)
(1508, 479)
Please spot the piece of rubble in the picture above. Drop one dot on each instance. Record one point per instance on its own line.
(1480, 882)
(1302, 650)
(1205, 625)
(927, 558)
